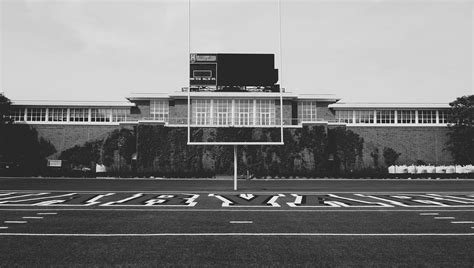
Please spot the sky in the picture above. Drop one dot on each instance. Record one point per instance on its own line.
(360, 50)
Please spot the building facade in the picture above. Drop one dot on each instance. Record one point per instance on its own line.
(417, 131)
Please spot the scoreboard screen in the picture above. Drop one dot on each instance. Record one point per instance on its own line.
(233, 70)
(203, 70)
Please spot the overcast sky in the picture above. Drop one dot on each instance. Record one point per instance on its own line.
(364, 51)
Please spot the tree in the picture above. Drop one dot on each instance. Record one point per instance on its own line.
(390, 156)
(346, 146)
(5, 106)
(461, 134)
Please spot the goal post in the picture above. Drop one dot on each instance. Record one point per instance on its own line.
(208, 116)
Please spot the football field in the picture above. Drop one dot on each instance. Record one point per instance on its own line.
(136, 222)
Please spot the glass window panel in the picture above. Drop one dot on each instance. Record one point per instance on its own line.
(201, 112)
(427, 116)
(406, 116)
(100, 115)
(443, 116)
(385, 117)
(243, 112)
(222, 112)
(364, 116)
(36, 114)
(307, 111)
(265, 112)
(79, 114)
(57, 114)
(17, 114)
(159, 110)
(344, 116)
(119, 114)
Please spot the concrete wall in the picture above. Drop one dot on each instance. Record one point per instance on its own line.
(414, 143)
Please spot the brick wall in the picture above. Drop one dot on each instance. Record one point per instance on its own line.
(414, 143)
(66, 136)
(179, 111)
(323, 112)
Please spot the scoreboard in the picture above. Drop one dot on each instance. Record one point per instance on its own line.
(203, 70)
(221, 70)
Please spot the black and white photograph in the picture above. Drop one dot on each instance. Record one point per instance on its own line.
(236, 133)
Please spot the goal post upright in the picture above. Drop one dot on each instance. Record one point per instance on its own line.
(210, 81)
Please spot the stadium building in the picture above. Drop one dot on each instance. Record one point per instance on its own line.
(417, 131)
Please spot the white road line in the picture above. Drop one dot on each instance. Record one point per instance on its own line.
(428, 214)
(444, 218)
(15, 221)
(46, 213)
(32, 217)
(3, 227)
(462, 222)
(236, 234)
(241, 222)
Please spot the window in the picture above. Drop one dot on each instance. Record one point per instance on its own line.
(344, 116)
(307, 111)
(159, 110)
(100, 115)
(265, 112)
(18, 114)
(119, 114)
(244, 112)
(78, 114)
(406, 117)
(385, 117)
(202, 112)
(443, 117)
(57, 114)
(427, 117)
(364, 116)
(36, 114)
(222, 112)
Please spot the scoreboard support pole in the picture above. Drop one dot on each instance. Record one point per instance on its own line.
(235, 167)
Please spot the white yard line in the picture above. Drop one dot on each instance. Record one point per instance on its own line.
(46, 213)
(270, 209)
(15, 221)
(232, 234)
(28, 217)
(240, 221)
(429, 214)
(240, 192)
(462, 222)
(444, 218)
(3, 227)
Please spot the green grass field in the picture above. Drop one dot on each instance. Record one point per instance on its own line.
(144, 226)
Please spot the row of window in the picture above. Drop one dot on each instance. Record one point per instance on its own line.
(237, 112)
(392, 116)
(70, 114)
